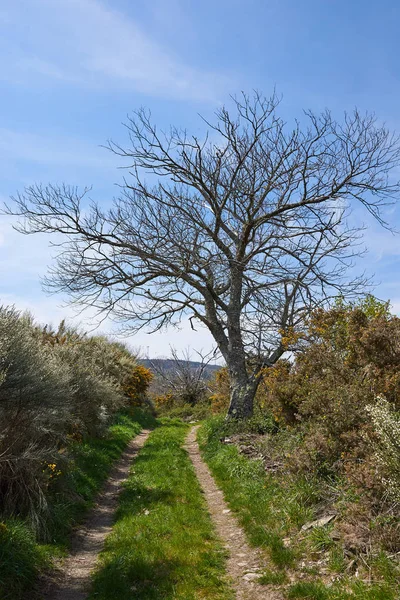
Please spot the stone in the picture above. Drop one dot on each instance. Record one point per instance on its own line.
(318, 522)
(251, 576)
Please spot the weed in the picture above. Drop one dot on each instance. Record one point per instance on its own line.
(337, 562)
(320, 538)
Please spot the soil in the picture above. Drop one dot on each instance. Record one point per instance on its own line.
(73, 580)
(245, 564)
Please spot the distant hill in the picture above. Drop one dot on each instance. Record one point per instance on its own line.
(169, 364)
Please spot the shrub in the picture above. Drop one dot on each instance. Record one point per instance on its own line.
(54, 386)
(386, 424)
(35, 404)
(136, 382)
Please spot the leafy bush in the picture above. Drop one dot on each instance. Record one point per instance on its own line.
(350, 354)
(136, 382)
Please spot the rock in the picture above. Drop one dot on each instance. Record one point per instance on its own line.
(226, 511)
(318, 522)
(251, 576)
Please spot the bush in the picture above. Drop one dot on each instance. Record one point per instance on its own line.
(35, 404)
(386, 424)
(55, 386)
(350, 354)
(136, 383)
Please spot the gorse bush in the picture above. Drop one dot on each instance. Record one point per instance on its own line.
(54, 386)
(350, 355)
(332, 412)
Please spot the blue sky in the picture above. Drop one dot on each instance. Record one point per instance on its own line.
(71, 70)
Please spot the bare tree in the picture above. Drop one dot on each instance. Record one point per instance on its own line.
(245, 231)
(184, 378)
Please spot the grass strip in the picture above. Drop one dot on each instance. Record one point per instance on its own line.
(92, 460)
(163, 544)
(23, 558)
(270, 509)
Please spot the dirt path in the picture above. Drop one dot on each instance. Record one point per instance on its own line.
(245, 564)
(74, 580)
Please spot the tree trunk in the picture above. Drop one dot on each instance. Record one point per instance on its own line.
(243, 392)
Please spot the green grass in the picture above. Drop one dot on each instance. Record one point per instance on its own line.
(266, 510)
(272, 507)
(343, 590)
(23, 557)
(311, 591)
(270, 577)
(91, 463)
(163, 544)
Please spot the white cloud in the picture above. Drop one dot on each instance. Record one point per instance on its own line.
(84, 41)
(60, 150)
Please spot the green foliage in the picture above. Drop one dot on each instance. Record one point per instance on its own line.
(320, 538)
(310, 591)
(186, 412)
(345, 591)
(273, 578)
(163, 544)
(337, 563)
(260, 423)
